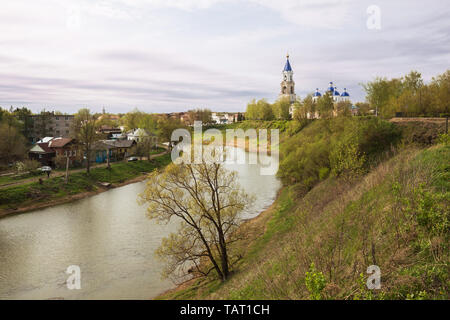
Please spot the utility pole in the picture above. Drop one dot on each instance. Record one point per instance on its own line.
(446, 125)
(107, 157)
(67, 169)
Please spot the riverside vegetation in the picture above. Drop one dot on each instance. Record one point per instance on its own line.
(55, 189)
(357, 192)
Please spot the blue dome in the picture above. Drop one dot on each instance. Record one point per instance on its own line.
(345, 93)
(317, 93)
(287, 66)
(331, 88)
(336, 93)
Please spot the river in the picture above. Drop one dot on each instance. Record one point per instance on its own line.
(107, 235)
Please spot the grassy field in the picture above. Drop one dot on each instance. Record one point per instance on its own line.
(318, 244)
(15, 178)
(56, 188)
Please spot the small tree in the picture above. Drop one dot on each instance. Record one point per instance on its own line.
(84, 128)
(207, 200)
(281, 108)
(12, 142)
(325, 105)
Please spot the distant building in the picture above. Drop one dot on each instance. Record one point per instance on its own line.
(288, 84)
(50, 125)
(224, 118)
(140, 135)
(109, 131)
(354, 110)
(334, 93)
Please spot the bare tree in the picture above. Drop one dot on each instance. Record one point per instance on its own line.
(207, 199)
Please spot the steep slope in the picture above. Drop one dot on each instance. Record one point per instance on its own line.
(318, 239)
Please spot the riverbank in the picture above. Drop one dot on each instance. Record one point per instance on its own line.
(54, 191)
(393, 215)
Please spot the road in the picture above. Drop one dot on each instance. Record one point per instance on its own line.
(63, 173)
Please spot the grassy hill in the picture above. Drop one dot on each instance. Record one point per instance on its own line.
(354, 195)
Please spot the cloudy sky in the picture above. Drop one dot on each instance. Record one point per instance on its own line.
(171, 55)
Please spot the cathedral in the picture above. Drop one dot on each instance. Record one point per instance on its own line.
(334, 93)
(288, 88)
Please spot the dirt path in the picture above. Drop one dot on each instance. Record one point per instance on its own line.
(55, 174)
(78, 196)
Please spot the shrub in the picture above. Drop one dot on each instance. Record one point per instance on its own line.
(315, 283)
(347, 160)
(444, 139)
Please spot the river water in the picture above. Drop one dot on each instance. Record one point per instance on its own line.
(107, 235)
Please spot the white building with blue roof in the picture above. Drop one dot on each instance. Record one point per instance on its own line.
(333, 91)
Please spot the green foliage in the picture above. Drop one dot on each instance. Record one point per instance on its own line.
(363, 293)
(281, 109)
(12, 142)
(432, 211)
(409, 95)
(259, 110)
(346, 159)
(421, 295)
(324, 173)
(444, 139)
(343, 145)
(345, 227)
(315, 283)
(263, 110)
(325, 106)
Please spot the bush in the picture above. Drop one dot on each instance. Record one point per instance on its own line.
(444, 139)
(340, 145)
(315, 283)
(347, 160)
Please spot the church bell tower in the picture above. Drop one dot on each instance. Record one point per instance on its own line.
(288, 84)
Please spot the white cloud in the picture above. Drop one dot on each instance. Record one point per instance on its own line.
(172, 55)
(311, 13)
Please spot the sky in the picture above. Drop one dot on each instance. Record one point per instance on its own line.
(175, 55)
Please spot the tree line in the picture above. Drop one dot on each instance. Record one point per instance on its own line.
(263, 110)
(409, 95)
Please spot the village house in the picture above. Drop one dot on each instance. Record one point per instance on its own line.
(115, 150)
(141, 135)
(121, 149)
(102, 152)
(66, 148)
(42, 153)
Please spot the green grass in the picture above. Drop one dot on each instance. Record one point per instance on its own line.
(396, 217)
(55, 188)
(16, 178)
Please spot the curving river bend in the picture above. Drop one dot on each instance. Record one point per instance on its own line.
(108, 235)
